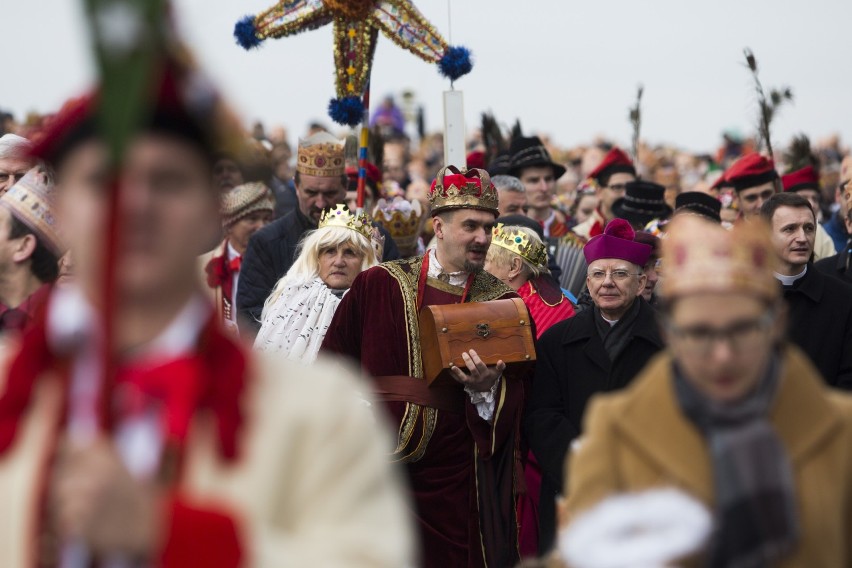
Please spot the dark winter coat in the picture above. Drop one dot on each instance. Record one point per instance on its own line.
(572, 366)
(820, 323)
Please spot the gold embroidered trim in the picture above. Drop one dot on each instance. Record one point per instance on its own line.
(486, 287)
(497, 415)
(406, 426)
(407, 280)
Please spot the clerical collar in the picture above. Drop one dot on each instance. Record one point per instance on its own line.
(437, 271)
(232, 252)
(790, 280)
(609, 321)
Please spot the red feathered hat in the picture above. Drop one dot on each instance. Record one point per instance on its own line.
(751, 170)
(806, 178)
(617, 241)
(616, 161)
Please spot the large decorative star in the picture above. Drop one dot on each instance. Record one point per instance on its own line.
(357, 24)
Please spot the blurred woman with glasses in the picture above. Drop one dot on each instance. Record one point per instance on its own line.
(730, 414)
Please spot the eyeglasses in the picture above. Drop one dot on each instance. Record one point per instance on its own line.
(740, 336)
(618, 275)
(15, 177)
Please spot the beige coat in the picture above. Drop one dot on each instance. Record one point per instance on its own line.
(313, 487)
(639, 439)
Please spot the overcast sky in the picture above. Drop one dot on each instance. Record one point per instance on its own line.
(565, 68)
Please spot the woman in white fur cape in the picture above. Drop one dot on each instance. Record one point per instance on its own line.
(298, 312)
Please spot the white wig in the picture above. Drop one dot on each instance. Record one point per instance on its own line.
(306, 266)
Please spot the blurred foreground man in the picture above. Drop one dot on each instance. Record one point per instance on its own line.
(193, 452)
(820, 307)
(730, 414)
(458, 441)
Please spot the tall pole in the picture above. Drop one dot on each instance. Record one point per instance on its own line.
(362, 149)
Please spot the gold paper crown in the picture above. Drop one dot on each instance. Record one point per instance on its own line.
(321, 155)
(341, 216)
(701, 256)
(403, 226)
(519, 242)
(463, 189)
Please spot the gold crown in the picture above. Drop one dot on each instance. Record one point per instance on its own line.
(321, 155)
(519, 243)
(701, 256)
(456, 188)
(404, 226)
(341, 216)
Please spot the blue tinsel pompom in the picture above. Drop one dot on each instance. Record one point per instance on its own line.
(455, 63)
(244, 32)
(348, 111)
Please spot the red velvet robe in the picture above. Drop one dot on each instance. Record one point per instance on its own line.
(461, 469)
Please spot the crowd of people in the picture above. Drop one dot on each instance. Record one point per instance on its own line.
(214, 353)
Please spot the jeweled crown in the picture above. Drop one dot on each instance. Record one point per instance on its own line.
(321, 155)
(701, 256)
(463, 189)
(402, 219)
(518, 242)
(341, 216)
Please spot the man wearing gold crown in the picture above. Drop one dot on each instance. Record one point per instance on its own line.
(458, 444)
(321, 183)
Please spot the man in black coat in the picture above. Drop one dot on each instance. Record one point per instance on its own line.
(601, 349)
(321, 182)
(819, 307)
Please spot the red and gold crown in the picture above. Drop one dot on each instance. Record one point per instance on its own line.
(518, 242)
(321, 155)
(341, 216)
(402, 219)
(702, 256)
(463, 189)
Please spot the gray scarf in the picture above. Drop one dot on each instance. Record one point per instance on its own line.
(616, 337)
(756, 518)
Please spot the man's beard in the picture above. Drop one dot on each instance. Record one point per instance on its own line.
(473, 267)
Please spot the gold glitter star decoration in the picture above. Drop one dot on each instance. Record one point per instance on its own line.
(357, 24)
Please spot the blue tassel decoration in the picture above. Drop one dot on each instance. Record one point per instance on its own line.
(455, 63)
(245, 33)
(348, 111)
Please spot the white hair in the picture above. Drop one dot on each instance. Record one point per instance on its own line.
(306, 266)
(508, 183)
(14, 146)
(503, 257)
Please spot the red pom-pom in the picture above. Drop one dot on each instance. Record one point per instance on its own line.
(621, 229)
